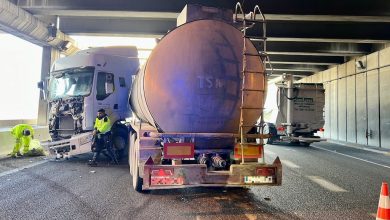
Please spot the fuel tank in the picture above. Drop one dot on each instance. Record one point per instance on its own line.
(192, 80)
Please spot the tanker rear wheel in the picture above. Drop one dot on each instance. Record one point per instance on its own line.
(270, 129)
(133, 163)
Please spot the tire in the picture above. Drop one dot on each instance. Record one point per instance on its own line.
(120, 146)
(133, 163)
(269, 128)
(305, 144)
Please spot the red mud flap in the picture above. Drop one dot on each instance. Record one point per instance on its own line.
(194, 175)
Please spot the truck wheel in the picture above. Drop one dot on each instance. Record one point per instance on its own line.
(269, 128)
(133, 162)
(306, 144)
(119, 146)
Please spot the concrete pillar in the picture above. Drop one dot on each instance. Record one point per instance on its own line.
(49, 55)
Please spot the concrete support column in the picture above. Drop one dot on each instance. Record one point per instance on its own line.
(49, 55)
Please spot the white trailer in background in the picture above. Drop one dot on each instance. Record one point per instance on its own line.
(300, 112)
(81, 84)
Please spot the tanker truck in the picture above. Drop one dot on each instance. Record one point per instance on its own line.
(188, 105)
(81, 84)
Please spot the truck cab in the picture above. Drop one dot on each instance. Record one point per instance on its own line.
(81, 84)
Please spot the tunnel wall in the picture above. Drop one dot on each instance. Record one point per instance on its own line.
(357, 100)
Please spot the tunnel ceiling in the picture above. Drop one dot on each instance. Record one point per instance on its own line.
(303, 36)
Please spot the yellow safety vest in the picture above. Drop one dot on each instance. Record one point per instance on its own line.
(103, 125)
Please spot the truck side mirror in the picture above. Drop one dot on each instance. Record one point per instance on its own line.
(40, 85)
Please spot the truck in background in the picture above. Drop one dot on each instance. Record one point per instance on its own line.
(81, 84)
(300, 112)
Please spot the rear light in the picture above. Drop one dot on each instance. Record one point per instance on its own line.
(250, 151)
(322, 129)
(281, 128)
(265, 171)
(161, 172)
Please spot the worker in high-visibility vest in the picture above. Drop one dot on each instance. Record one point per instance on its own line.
(23, 133)
(102, 136)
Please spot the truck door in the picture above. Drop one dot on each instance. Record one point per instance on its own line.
(123, 95)
(105, 94)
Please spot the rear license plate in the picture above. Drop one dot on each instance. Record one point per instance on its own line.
(258, 179)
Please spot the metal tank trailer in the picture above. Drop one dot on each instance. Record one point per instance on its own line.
(186, 102)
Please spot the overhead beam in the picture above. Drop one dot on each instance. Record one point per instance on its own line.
(291, 70)
(173, 15)
(325, 40)
(300, 7)
(315, 47)
(276, 31)
(274, 75)
(326, 18)
(105, 13)
(328, 59)
(114, 26)
(303, 63)
(281, 72)
(336, 53)
(324, 30)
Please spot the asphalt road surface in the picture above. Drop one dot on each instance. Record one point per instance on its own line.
(325, 181)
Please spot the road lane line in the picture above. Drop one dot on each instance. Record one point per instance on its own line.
(290, 164)
(362, 148)
(326, 184)
(357, 158)
(22, 168)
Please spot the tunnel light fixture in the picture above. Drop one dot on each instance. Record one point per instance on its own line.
(65, 45)
(360, 64)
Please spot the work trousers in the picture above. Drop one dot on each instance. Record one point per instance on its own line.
(103, 145)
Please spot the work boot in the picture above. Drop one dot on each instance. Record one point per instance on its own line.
(15, 155)
(92, 163)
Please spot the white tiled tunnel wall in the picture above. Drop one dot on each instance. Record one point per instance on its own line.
(357, 100)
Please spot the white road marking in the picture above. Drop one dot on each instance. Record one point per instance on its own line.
(326, 184)
(22, 168)
(356, 147)
(290, 164)
(357, 158)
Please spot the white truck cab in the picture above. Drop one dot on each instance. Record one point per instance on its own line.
(81, 84)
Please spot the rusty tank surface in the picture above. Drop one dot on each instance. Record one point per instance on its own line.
(192, 81)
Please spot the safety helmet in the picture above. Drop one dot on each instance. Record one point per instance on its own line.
(26, 132)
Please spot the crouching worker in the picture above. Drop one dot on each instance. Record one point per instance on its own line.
(23, 133)
(102, 139)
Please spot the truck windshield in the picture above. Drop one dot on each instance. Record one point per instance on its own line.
(74, 82)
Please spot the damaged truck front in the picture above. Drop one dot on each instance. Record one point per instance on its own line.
(81, 84)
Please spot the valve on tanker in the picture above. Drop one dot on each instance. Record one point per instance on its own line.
(218, 161)
(204, 159)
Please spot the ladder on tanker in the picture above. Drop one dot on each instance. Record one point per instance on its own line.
(249, 21)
